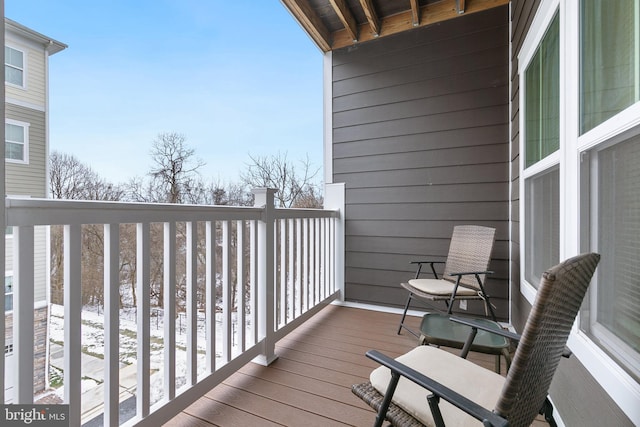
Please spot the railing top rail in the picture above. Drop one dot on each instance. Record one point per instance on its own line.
(22, 211)
(32, 211)
(286, 213)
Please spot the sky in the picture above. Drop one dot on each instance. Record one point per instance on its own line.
(236, 78)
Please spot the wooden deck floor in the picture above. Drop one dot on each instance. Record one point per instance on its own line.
(310, 383)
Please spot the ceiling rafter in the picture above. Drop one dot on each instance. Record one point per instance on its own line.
(333, 24)
(430, 14)
(346, 17)
(415, 12)
(311, 22)
(372, 16)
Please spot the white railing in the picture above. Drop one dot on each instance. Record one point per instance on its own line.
(266, 270)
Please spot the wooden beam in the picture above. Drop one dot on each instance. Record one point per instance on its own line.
(430, 14)
(415, 13)
(372, 16)
(346, 17)
(460, 4)
(311, 22)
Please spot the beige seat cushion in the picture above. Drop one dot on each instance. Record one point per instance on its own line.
(472, 381)
(440, 287)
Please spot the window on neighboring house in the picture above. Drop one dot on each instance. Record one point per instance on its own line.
(541, 202)
(610, 183)
(8, 293)
(14, 66)
(16, 141)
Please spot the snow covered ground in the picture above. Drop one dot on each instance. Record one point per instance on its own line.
(93, 347)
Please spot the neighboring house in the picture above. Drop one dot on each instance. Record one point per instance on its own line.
(26, 152)
(525, 117)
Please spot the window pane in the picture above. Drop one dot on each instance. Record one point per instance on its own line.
(14, 145)
(8, 284)
(542, 224)
(13, 75)
(14, 133)
(612, 317)
(14, 151)
(609, 59)
(8, 291)
(13, 57)
(14, 66)
(542, 102)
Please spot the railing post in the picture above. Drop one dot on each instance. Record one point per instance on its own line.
(334, 199)
(264, 198)
(111, 324)
(23, 322)
(73, 321)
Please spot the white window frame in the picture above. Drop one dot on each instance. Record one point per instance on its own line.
(539, 28)
(24, 67)
(25, 129)
(616, 382)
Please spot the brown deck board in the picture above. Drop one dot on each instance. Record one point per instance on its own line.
(310, 383)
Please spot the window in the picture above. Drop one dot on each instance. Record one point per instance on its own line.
(14, 66)
(542, 102)
(579, 112)
(16, 141)
(610, 316)
(609, 86)
(8, 293)
(608, 61)
(542, 224)
(541, 204)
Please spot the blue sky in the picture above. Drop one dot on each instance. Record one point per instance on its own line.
(235, 77)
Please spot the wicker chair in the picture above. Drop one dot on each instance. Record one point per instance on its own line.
(464, 271)
(458, 391)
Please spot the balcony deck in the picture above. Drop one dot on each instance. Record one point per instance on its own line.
(310, 383)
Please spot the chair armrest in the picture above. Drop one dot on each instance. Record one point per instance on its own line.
(433, 269)
(487, 417)
(471, 272)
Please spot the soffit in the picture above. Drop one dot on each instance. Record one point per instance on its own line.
(334, 24)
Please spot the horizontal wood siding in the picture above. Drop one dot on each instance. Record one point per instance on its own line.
(28, 179)
(578, 398)
(420, 137)
(39, 262)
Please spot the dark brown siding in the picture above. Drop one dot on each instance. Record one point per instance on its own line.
(578, 398)
(522, 13)
(421, 139)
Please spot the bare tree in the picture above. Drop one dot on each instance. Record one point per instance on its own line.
(69, 178)
(293, 184)
(175, 166)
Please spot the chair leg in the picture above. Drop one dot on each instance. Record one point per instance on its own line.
(384, 406)
(547, 411)
(404, 313)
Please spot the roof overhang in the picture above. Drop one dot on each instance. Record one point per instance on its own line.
(334, 24)
(50, 45)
